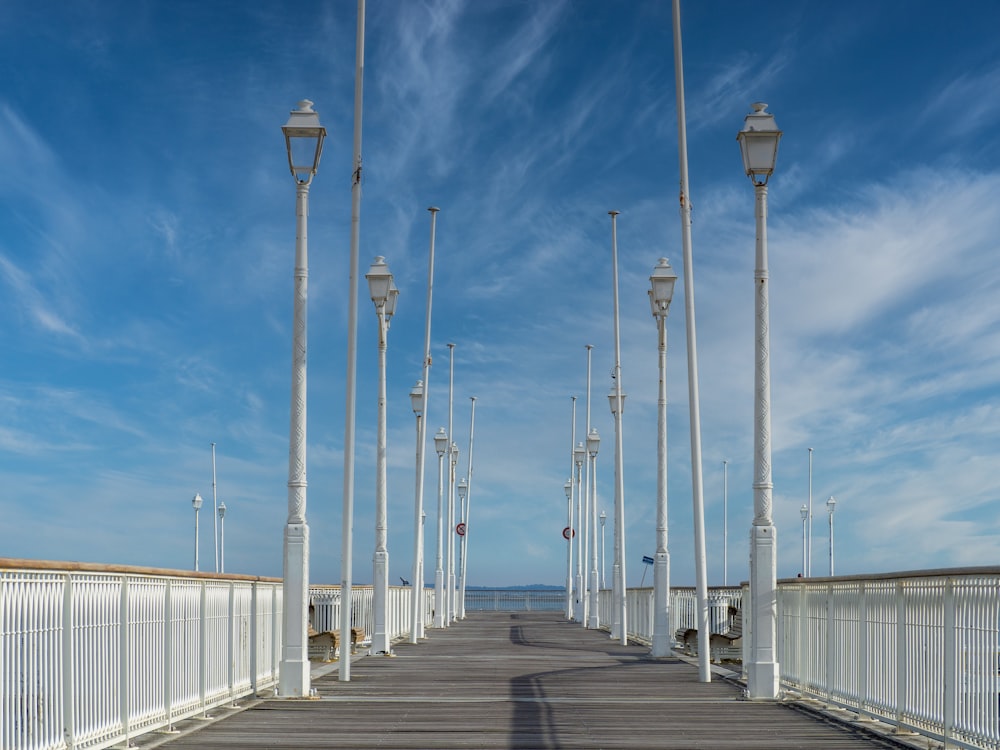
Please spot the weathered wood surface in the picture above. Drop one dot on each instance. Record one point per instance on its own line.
(524, 680)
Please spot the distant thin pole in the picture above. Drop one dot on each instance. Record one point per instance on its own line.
(450, 586)
(621, 609)
(347, 521)
(215, 512)
(725, 523)
(698, 499)
(417, 627)
(569, 514)
(588, 584)
(809, 521)
(468, 504)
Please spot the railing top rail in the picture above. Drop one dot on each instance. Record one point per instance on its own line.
(985, 570)
(13, 563)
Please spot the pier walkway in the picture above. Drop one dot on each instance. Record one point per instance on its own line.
(524, 680)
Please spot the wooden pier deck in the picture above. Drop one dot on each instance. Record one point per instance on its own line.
(523, 680)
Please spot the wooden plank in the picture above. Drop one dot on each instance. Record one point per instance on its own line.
(525, 680)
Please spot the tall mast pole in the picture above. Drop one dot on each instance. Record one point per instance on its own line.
(347, 521)
(694, 402)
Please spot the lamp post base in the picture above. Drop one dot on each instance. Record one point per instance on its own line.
(662, 638)
(293, 679)
(380, 636)
(763, 673)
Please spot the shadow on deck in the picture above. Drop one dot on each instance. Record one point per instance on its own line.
(524, 680)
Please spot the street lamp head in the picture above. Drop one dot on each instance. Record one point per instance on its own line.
(613, 400)
(603, 517)
(593, 442)
(463, 489)
(579, 453)
(196, 501)
(390, 302)
(454, 453)
(831, 504)
(804, 512)
(759, 144)
(304, 142)
(662, 281)
(222, 510)
(568, 488)
(417, 398)
(379, 282)
(441, 442)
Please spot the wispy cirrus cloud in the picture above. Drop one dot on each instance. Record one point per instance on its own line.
(966, 104)
(28, 297)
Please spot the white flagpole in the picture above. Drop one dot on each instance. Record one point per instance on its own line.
(701, 574)
(215, 512)
(417, 605)
(347, 522)
(465, 513)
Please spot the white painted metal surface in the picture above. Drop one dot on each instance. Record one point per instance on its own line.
(917, 650)
(326, 611)
(694, 399)
(89, 658)
(759, 143)
(684, 610)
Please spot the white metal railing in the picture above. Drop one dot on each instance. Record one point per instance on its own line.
(325, 609)
(723, 602)
(91, 655)
(919, 650)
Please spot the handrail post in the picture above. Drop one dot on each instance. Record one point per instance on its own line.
(254, 635)
(68, 697)
(123, 661)
(863, 639)
(901, 651)
(950, 659)
(830, 644)
(231, 645)
(168, 655)
(202, 648)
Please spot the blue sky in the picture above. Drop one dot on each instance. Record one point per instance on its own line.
(147, 233)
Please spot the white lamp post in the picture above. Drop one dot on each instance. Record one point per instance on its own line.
(622, 631)
(416, 631)
(453, 461)
(452, 559)
(804, 512)
(619, 624)
(662, 283)
(304, 143)
(579, 455)
(463, 492)
(383, 293)
(593, 444)
(441, 447)
(196, 503)
(568, 533)
(759, 145)
(830, 505)
(604, 518)
(418, 547)
(222, 537)
(467, 501)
